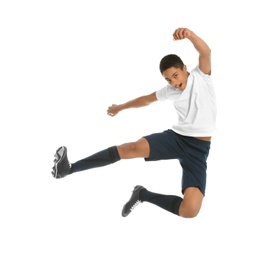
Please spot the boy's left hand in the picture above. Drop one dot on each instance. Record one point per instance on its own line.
(182, 33)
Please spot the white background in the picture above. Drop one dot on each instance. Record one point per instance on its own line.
(62, 63)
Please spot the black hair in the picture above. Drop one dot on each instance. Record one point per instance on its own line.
(169, 61)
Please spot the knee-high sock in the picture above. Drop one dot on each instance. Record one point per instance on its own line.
(170, 203)
(102, 158)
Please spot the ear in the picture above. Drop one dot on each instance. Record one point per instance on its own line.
(184, 68)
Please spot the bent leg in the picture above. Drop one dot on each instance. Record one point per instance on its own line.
(192, 202)
(188, 207)
(170, 203)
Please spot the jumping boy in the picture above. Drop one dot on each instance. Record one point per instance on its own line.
(192, 94)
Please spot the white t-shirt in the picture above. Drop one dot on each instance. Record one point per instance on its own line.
(195, 105)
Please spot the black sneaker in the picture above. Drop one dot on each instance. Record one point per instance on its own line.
(61, 167)
(133, 201)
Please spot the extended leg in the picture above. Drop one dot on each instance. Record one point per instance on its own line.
(99, 159)
(113, 154)
(62, 167)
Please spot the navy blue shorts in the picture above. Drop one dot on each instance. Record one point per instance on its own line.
(192, 154)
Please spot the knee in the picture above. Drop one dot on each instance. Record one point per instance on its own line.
(192, 213)
(189, 211)
(136, 149)
(127, 150)
(130, 148)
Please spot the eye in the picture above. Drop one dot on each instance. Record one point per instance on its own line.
(175, 76)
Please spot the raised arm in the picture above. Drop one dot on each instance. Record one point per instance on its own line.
(135, 103)
(202, 48)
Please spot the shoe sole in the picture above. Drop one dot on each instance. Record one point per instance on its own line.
(60, 153)
(124, 213)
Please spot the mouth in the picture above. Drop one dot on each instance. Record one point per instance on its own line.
(179, 86)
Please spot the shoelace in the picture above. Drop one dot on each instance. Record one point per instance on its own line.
(56, 158)
(136, 203)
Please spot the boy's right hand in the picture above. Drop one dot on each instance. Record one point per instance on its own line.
(113, 110)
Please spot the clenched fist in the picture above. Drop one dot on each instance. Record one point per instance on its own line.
(113, 110)
(182, 33)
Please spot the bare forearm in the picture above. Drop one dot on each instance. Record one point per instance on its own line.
(135, 103)
(200, 45)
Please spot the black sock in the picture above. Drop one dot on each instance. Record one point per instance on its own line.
(102, 158)
(170, 203)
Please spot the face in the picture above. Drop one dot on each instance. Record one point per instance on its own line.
(176, 77)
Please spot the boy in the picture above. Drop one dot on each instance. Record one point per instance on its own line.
(192, 94)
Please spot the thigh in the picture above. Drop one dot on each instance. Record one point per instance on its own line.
(165, 145)
(194, 165)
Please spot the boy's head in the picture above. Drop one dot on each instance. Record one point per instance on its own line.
(169, 61)
(174, 71)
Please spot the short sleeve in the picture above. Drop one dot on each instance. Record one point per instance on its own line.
(168, 93)
(202, 74)
(161, 94)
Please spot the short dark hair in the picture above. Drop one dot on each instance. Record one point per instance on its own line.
(169, 61)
